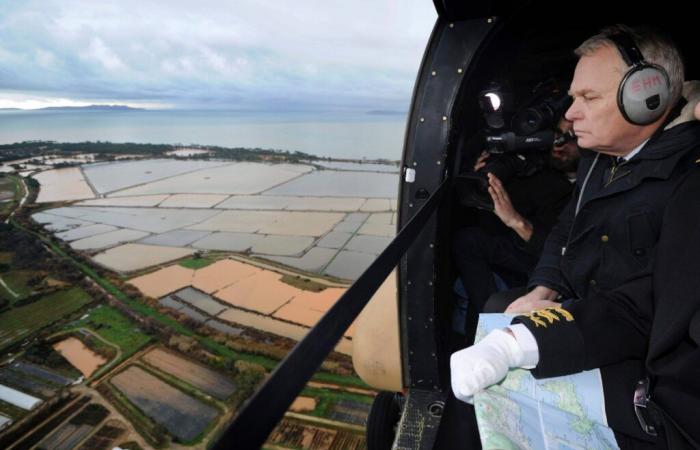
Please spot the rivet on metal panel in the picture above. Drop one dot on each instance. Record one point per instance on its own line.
(422, 119)
(435, 409)
(433, 73)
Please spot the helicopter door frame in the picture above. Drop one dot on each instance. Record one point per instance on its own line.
(447, 65)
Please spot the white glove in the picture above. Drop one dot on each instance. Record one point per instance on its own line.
(483, 364)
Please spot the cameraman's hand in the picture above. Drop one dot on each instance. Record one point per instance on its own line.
(503, 208)
(481, 160)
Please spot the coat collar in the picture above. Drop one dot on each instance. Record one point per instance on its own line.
(658, 159)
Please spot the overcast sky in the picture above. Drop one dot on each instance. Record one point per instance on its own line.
(236, 54)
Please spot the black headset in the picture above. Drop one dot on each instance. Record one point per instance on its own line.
(644, 92)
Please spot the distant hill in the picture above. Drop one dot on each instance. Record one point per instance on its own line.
(91, 108)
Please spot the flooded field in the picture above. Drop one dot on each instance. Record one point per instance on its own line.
(109, 177)
(164, 281)
(63, 184)
(341, 184)
(333, 221)
(140, 200)
(241, 294)
(221, 274)
(278, 327)
(262, 292)
(183, 416)
(209, 381)
(130, 257)
(193, 201)
(81, 357)
(231, 178)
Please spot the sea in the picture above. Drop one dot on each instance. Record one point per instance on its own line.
(349, 135)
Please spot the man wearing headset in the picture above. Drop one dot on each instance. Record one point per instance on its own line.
(626, 89)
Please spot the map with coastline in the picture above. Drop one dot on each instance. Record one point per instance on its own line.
(522, 412)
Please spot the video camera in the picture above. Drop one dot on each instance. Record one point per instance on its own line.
(521, 149)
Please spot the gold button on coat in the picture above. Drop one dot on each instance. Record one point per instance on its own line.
(604, 238)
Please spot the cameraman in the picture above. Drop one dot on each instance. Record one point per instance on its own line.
(527, 207)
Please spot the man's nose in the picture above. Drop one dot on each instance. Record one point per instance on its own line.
(573, 113)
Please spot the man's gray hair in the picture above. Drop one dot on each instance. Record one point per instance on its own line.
(656, 49)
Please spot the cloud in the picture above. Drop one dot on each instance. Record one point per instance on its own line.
(209, 53)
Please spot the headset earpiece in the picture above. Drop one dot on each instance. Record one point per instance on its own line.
(644, 92)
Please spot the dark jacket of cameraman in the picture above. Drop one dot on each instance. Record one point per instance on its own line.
(653, 317)
(619, 216)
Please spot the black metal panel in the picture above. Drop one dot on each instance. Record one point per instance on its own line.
(446, 66)
(420, 421)
(453, 47)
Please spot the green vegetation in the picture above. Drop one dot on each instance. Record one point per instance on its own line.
(196, 263)
(19, 322)
(110, 324)
(304, 284)
(11, 411)
(9, 184)
(18, 281)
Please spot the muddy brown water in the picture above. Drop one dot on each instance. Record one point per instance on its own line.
(81, 357)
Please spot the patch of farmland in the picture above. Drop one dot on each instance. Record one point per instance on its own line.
(209, 381)
(19, 322)
(290, 433)
(42, 373)
(26, 383)
(104, 437)
(69, 434)
(81, 357)
(183, 416)
(349, 411)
